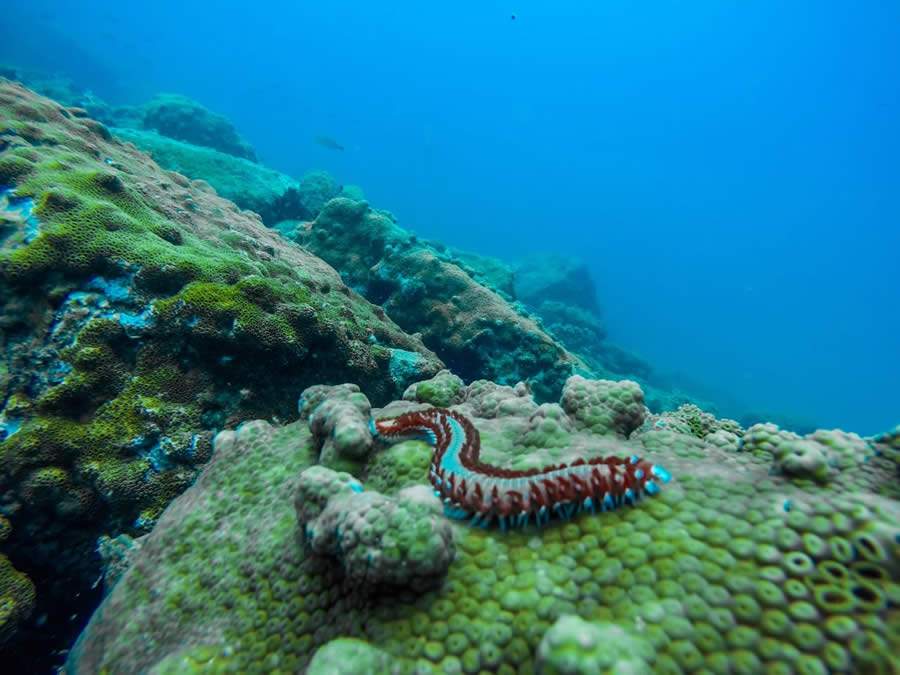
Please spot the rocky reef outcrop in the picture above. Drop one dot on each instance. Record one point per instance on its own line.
(140, 314)
(472, 328)
(273, 195)
(184, 119)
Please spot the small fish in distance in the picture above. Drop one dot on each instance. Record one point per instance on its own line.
(329, 142)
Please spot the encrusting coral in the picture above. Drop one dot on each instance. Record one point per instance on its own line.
(729, 569)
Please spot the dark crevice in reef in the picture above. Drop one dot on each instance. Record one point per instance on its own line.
(60, 559)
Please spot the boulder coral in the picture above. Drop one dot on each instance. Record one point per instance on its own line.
(730, 569)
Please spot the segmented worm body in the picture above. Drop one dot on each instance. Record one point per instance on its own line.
(483, 493)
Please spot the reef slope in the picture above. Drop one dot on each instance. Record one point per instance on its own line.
(140, 314)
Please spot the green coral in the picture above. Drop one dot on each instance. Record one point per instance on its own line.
(442, 390)
(822, 456)
(399, 466)
(745, 573)
(697, 422)
(349, 656)
(604, 406)
(572, 646)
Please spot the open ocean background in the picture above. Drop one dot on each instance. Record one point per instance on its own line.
(729, 170)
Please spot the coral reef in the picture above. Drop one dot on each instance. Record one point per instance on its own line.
(730, 569)
(474, 330)
(184, 119)
(465, 528)
(554, 278)
(821, 456)
(273, 195)
(141, 313)
(400, 540)
(249, 185)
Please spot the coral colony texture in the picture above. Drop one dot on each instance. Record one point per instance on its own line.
(472, 489)
(276, 559)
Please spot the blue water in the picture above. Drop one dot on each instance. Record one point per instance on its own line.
(728, 170)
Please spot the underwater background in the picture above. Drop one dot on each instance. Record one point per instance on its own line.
(727, 172)
(354, 337)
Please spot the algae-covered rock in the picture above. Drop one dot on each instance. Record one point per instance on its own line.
(730, 568)
(117, 554)
(249, 185)
(279, 199)
(141, 313)
(554, 278)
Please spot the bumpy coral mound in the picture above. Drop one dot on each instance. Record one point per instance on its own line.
(604, 406)
(474, 330)
(728, 569)
(184, 119)
(442, 391)
(572, 646)
(141, 313)
(339, 419)
(400, 540)
(349, 656)
(822, 456)
(690, 419)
